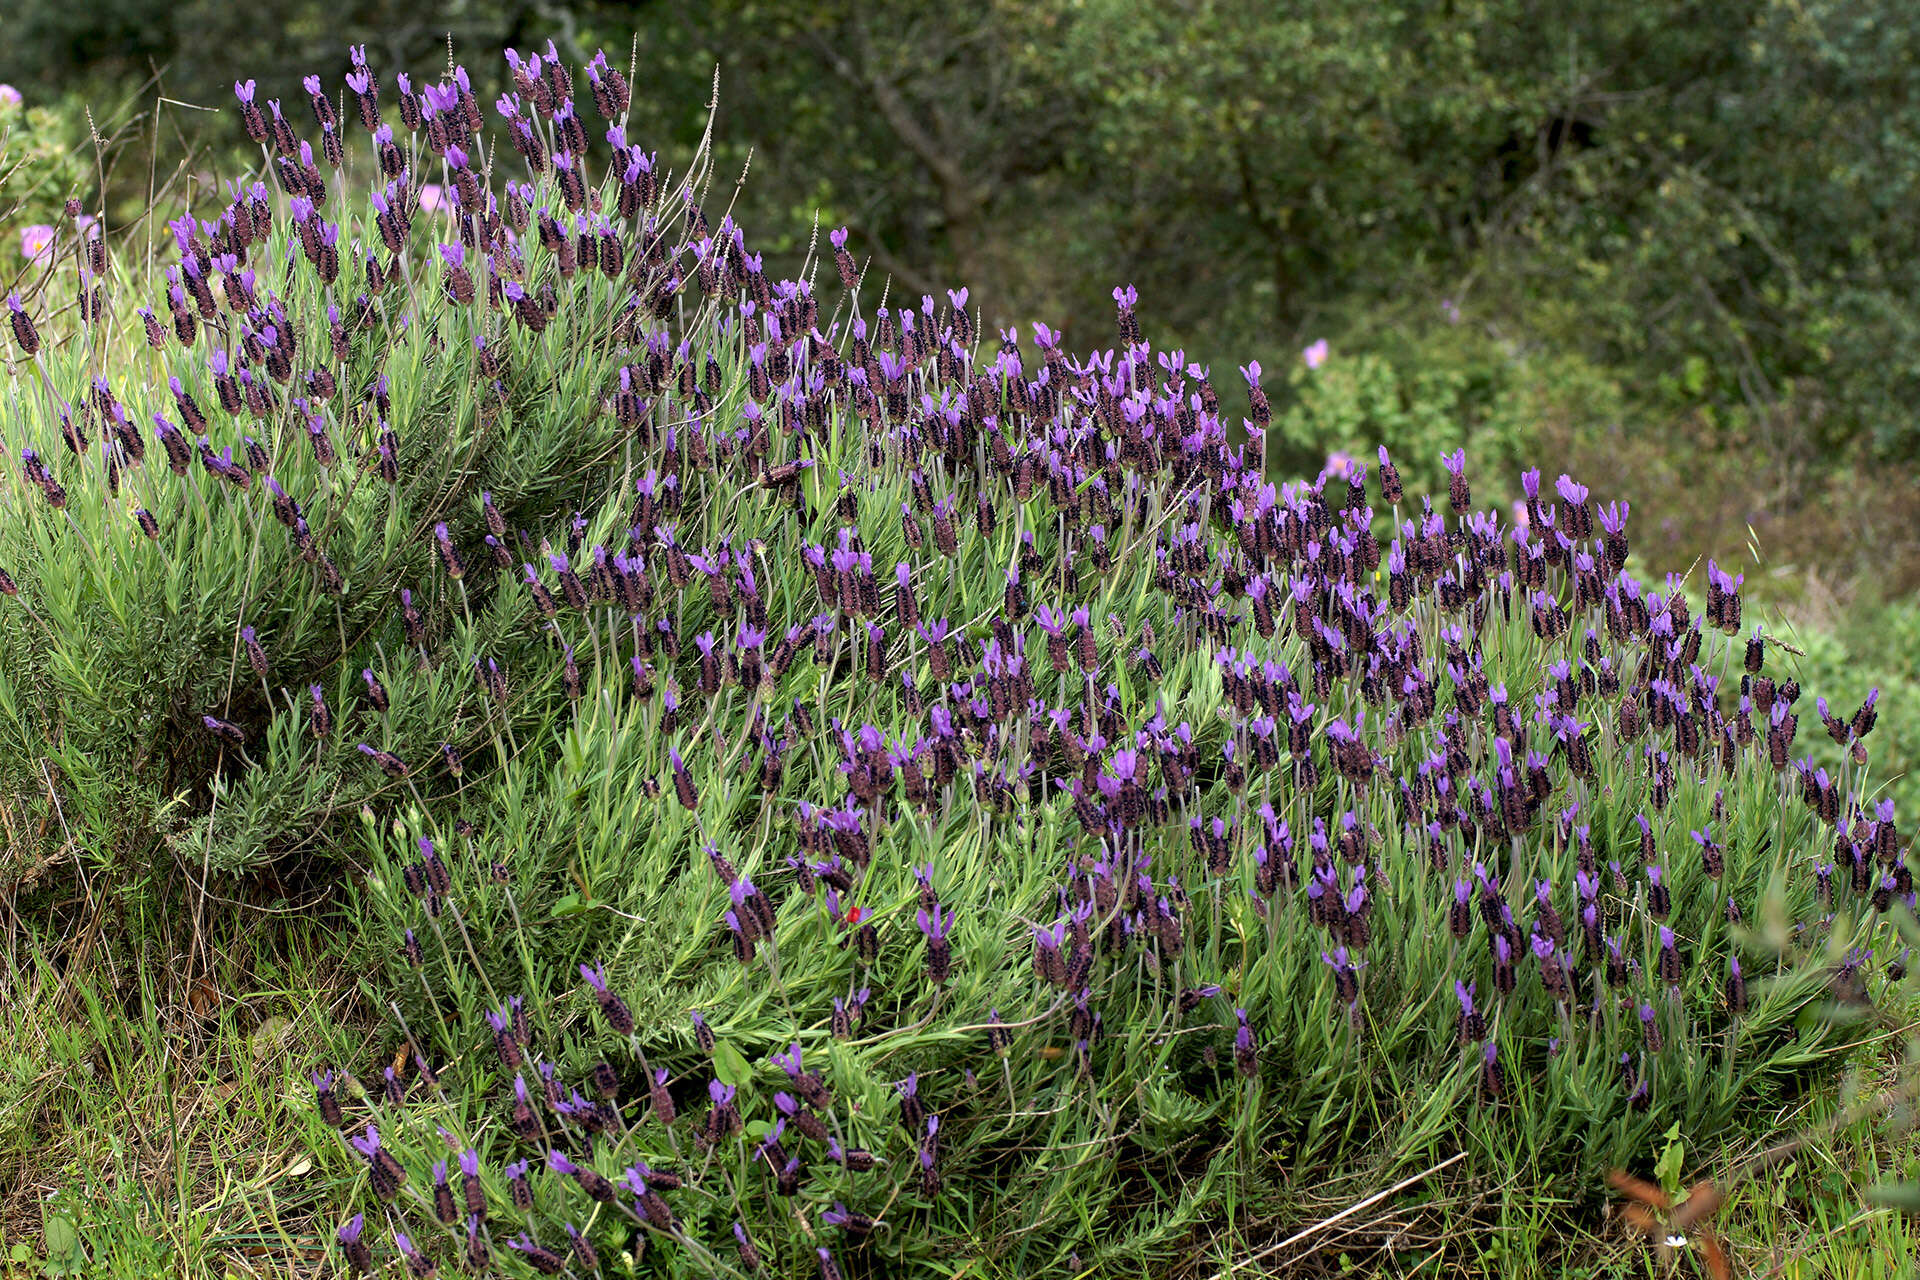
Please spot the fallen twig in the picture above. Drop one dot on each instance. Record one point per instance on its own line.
(1345, 1213)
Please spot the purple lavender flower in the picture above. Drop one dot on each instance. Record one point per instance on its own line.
(1473, 1024)
(386, 1172)
(449, 555)
(1650, 1028)
(934, 926)
(473, 1190)
(541, 1259)
(327, 1100)
(683, 787)
(611, 1006)
(391, 765)
(1459, 495)
(749, 1253)
(596, 1186)
(1246, 1058)
(1669, 960)
(358, 1256)
(518, 1188)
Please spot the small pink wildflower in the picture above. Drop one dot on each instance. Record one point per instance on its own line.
(36, 242)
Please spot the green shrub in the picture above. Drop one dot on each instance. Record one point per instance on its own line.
(1879, 650)
(681, 647)
(40, 166)
(1428, 389)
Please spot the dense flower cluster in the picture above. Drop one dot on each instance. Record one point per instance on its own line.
(1319, 767)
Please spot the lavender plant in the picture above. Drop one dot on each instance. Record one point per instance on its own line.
(832, 790)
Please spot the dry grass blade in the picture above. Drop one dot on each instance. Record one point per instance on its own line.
(1358, 1207)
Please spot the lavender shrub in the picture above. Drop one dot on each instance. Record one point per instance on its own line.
(843, 791)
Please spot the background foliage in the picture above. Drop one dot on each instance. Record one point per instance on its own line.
(1706, 202)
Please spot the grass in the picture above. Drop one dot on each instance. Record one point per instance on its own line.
(149, 1136)
(171, 1132)
(195, 1160)
(1803, 1214)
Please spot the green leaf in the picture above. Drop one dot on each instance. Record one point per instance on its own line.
(1672, 1160)
(62, 1239)
(572, 904)
(730, 1065)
